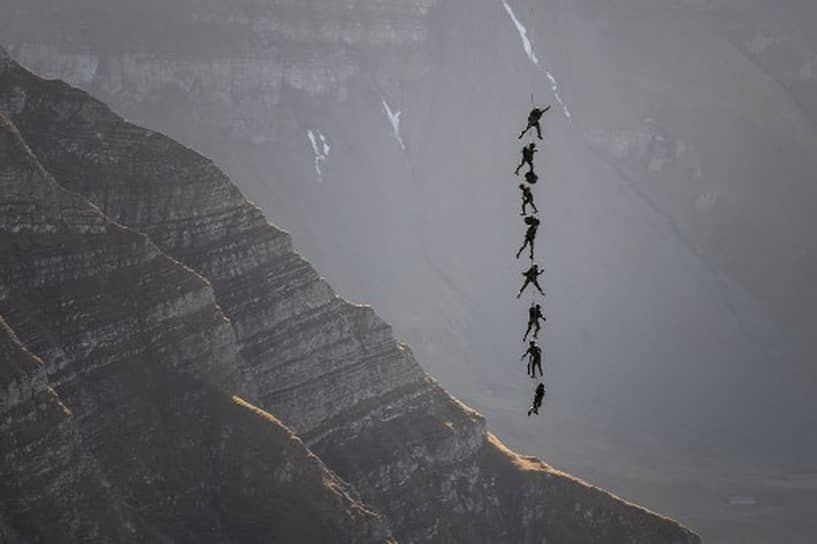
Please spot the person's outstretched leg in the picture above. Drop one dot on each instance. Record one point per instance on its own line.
(521, 249)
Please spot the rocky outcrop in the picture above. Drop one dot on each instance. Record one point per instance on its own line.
(136, 347)
(50, 490)
(260, 76)
(331, 370)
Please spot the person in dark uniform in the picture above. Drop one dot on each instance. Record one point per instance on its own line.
(527, 157)
(534, 315)
(537, 399)
(527, 199)
(530, 235)
(531, 276)
(533, 121)
(534, 355)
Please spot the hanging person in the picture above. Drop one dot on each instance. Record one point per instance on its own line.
(527, 199)
(538, 395)
(534, 315)
(530, 235)
(531, 276)
(533, 121)
(534, 355)
(527, 157)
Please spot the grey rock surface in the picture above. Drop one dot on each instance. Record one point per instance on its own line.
(678, 224)
(48, 481)
(248, 57)
(329, 369)
(137, 349)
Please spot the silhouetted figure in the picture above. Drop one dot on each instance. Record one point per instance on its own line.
(531, 177)
(527, 198)
(527, 157)
(530, 235)
(533, 121)
(534, 355)
(534, 315)
(531, 276)
(537, 399)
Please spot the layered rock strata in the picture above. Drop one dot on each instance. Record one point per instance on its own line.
(135, 345)
(48, 482)
(244, 57)
(331, 370)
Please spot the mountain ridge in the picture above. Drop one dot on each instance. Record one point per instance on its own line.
(132, 342)
(327, 368)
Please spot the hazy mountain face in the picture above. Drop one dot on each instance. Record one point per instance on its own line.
(675, 199)
(138, 348)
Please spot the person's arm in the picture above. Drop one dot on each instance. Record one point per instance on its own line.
(547, 108)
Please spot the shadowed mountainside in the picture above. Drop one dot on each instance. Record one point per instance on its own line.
(677, 224)
(681, 181)
(138, 351)
(53, 485)
(329, 369)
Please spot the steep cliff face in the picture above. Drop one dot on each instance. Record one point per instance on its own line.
(133, 342)
(331, 370)
(262, 76)
(50, 489)
(683, 180)
(214, 72)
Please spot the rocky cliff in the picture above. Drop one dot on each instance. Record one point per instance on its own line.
(682, 181)
(329, 369)
(261, 76)
(138, 351)
(49, 483)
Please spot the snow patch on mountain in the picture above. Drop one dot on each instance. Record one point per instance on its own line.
(321, 148)
(523, 34)
(528, 47)
(394, 119)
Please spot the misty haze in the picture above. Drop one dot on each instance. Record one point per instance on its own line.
(676, 192)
